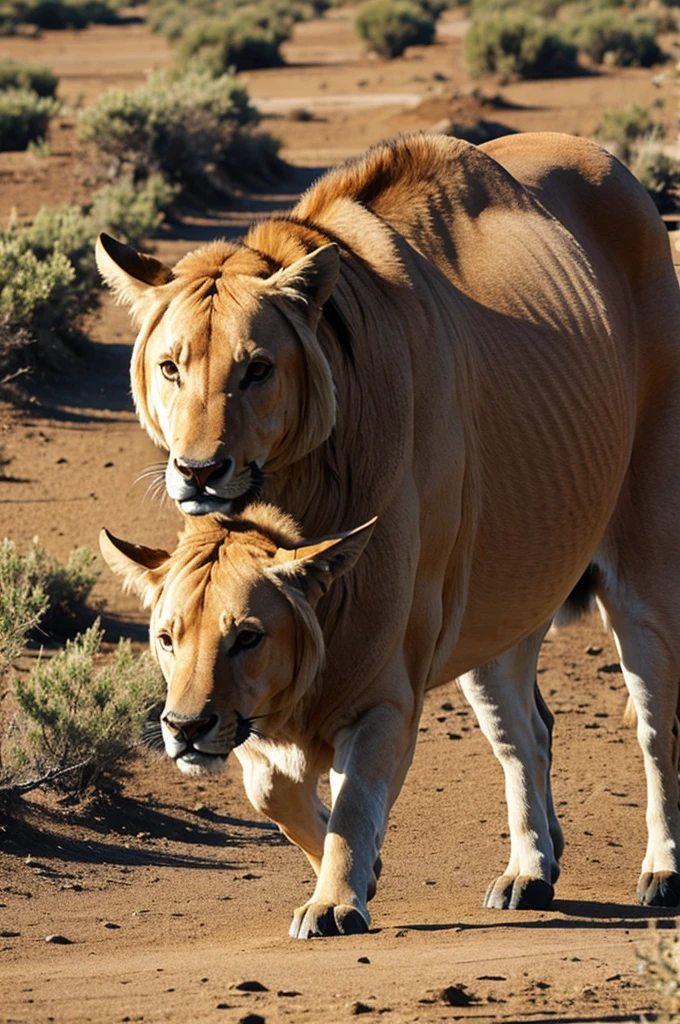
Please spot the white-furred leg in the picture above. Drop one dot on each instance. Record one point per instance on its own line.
(503, 695)
(649, 661)
(280, 785)
(371, 759)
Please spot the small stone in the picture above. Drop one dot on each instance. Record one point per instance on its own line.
(252, 1018)
(108, 465)
(447, 706)
(363, 960)
(59, 940)
(249, 877)
(358, 1008)
(110, 924)
(223, 1006)
(593, 651)
(288, 994)
(454, 736)
(249, 986)
(5, 934)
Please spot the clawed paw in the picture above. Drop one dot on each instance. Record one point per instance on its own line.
(315, 920)
(659, 889)
(521, 892)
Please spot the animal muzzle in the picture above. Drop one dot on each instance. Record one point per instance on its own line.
(211, 486)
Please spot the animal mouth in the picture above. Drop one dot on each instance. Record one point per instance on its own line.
(191, 754)
(234, 498)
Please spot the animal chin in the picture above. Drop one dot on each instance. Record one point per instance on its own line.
(193, 762)
(231, 504)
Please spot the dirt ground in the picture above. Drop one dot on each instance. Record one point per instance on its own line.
(175, 894)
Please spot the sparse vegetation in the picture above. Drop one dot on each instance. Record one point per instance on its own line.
(658, 173)
(79, 717)
(48, 591)
(616, 39)
(621, 127)
(54, 14)
(133, 214)
(515, 43)
(22, 602)
(660, 967)
(249, 38)
(195, 130)
(388, 27)
(17, 75)
(24, 117)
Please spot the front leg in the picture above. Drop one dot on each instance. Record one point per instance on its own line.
(371, 759)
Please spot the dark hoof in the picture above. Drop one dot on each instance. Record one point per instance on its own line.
(318, 920)
(661, 889)
(373, 881)
(520, 893)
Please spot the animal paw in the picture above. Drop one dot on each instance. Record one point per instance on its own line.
(314, 920)
(521, 892)
(659, 889)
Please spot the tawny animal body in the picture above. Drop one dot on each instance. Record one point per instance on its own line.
(492, 367)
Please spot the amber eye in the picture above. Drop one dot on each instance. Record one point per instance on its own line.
(247, 639)
(165, 642)
(170, 370)
(257, 371)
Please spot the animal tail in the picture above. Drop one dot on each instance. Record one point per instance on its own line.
(580, 600)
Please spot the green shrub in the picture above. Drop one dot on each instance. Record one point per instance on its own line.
(24, 117)
(657, 172)
(518, 44)
(54, 14)
(77, 713)
(133, 214)
(249, 38)
(659, 966)
(388, 27)
(193, 129)
(619, 129)
(48, 276)
(613, 39)
(541, 8)
(22, 602)
(15, 75)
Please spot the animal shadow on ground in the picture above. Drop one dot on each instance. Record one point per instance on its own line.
(104, 832)
(572, 914)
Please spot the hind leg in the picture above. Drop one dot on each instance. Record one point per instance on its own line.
(515, 720)
(638, 585)
(651, 670)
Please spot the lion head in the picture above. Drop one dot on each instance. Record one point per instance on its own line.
(227, 372)
(233, 625)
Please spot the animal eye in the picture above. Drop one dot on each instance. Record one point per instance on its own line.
(170, 370)
(247, 639)
(165, 641)
(257, 371)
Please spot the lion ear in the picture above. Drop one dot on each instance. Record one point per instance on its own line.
(313, 567)
(127, 272)
(142, 567)
(313, 277)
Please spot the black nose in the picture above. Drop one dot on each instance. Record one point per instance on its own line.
(202, 472)
(190, 729)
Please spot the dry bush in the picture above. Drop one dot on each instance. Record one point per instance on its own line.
(514, 43)
(18, 75)
(194, 129)
(24, 117)
(388, 27)
(248, 38)
(659, 965)
(657, 172)
(79, 716)
(615, 39)
(54, 14)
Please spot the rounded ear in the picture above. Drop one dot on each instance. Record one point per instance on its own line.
(141, 567)
(127, 272)
(313, 277)
(314, 566)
